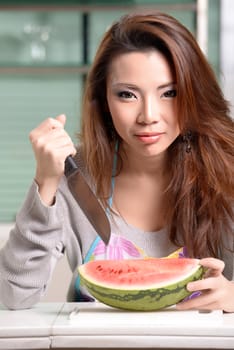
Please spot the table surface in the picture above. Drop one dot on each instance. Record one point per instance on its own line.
(94, 325)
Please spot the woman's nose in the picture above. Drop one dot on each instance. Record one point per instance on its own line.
(150, 111)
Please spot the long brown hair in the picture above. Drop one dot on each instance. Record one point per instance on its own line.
(201, 191)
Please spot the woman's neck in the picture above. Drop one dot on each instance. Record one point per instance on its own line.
(138, 165)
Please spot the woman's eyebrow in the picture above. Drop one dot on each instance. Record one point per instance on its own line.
(120, 84)
(166, 85)
(135, 87)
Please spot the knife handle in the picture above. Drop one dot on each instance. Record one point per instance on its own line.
(70, 166)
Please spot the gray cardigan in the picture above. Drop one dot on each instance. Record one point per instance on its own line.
(43, 234)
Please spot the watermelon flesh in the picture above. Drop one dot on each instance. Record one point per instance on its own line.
(145, 284)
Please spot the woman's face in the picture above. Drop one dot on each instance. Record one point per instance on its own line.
(141, 95)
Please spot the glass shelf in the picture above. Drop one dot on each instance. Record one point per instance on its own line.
(37, 68)
(97, 5)
(108, 3)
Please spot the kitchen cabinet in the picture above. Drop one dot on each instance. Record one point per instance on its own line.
(46, 48)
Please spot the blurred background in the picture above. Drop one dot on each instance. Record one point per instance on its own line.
(46, 48)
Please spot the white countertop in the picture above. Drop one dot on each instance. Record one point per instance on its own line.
(28, 329)
(94, 325)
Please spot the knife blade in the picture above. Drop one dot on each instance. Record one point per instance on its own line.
(86, 199)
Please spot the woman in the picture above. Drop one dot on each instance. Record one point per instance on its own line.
(156, 146)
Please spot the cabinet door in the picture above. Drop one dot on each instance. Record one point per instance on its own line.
(40, 60)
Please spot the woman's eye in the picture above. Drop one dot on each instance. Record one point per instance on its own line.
(125, 94)
(170, 93)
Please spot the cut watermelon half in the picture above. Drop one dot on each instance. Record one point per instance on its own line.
(145, 284)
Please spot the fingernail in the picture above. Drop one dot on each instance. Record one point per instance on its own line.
(190, 287)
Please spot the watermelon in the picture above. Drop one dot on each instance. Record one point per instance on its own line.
(144, 284)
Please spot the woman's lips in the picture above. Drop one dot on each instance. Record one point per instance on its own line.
(149, 138)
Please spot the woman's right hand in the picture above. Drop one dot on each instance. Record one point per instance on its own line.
(51, 145)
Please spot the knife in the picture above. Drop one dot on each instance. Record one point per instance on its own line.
(86, 199)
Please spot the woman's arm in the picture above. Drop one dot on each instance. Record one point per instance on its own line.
(36, 242)
(29, 256)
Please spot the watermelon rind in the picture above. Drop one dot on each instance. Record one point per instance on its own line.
(145, 299)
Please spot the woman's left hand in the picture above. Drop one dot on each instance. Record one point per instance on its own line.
(216, 291)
